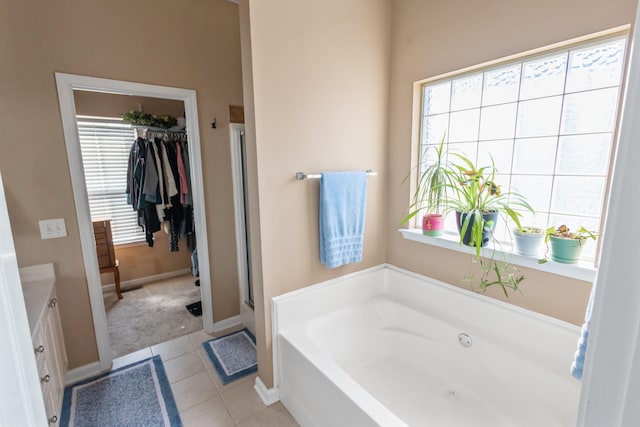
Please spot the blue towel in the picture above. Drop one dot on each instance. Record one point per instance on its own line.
(578, 361)
(343, 197)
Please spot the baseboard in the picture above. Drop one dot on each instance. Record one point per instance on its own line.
(127, 284)
(227, 323)
(84, 372)
(269, 396)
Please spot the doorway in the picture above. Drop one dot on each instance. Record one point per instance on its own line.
(67, 84)
(156, 272)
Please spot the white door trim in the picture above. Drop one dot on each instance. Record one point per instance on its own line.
(611, 381)
(246, 313)
(66, 84)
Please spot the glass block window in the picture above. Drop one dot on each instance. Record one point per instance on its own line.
(548, 123)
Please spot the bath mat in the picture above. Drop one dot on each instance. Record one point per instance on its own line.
(233, 355)
(195, 308)
(134, 395)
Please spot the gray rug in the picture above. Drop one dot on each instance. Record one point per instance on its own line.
(151, 315)
(233, 355)
(136, 395)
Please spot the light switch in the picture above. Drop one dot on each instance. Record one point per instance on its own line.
(52, 228)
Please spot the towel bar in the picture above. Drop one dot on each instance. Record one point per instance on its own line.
(302, 175)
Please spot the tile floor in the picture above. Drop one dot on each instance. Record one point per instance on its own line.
(201, 398)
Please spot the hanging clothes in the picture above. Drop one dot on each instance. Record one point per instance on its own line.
(158, 186)
(184, 187)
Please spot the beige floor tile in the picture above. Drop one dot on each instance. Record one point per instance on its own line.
(210, 413)
(136, 356)
(275, 415)
(233, 384)
(173, 348)
(183, 366)
(228, 331)
(197, 338)
(242, 401)
(205, 358)
(193, 390)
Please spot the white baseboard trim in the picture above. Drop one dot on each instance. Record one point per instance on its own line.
(147, 279)
(227, 323)
(84, 372)
(269, 396)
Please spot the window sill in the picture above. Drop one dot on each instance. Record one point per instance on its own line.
(580, 271)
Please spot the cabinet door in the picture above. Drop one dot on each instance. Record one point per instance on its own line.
(57, 356)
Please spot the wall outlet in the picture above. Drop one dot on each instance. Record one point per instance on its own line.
(52, 228)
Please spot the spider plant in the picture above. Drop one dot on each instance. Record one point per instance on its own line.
(430, 194)
(474, 193)
(479, 201)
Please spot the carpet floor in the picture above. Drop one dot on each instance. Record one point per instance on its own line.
(151, 314)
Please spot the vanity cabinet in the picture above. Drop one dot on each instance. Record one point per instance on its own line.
(41, 302)
(48, 346)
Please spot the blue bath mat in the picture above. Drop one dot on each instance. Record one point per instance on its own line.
(233, 355)
(134, 395)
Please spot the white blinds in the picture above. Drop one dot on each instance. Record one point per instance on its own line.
(105, 146)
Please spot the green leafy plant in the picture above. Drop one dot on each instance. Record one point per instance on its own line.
(473, 193)
(139, 118)
(430, 194)
(563, 232)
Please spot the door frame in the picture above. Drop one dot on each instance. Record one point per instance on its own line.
(236, 130)
(66, 84)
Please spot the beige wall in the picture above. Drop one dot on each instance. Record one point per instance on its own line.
(315, 88)
(139, 260)
(431, 38)
(319, 79)
(113, 105)
(190, 44)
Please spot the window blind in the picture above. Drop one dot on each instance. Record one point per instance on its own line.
(105, 145)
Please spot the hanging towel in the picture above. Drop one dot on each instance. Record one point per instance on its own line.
(578, 361)
(343, 197)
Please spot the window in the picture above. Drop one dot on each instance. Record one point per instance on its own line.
(548, 122)
(105, 146)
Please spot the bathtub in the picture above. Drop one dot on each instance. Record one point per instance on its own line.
(386, 347)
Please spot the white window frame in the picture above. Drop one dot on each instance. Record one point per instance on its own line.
(583, 270)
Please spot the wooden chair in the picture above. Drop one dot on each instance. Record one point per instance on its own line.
(106, 254)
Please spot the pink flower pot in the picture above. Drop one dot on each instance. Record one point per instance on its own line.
(432, 224)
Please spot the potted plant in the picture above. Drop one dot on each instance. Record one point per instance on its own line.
(430, 193)
(529, 241)
(478, 202)
(566, 246)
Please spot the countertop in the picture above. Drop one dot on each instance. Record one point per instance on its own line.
(37, 284)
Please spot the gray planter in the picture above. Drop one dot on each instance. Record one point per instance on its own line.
(529, 243)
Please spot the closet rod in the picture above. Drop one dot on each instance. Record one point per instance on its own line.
(157, 129)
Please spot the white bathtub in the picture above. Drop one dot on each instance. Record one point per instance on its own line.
(382, 347)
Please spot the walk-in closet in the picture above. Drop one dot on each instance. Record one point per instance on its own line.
(135, 153)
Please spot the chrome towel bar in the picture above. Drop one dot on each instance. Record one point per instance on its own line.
(301, 175)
